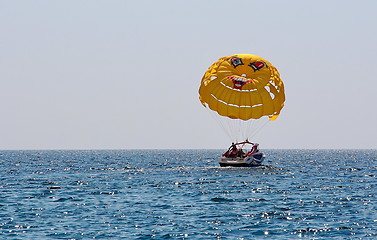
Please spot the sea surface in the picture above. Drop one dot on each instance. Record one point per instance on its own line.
(184, 194)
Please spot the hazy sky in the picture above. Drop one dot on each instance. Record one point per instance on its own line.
(125, 74)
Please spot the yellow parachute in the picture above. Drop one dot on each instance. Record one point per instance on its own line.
(243, 86)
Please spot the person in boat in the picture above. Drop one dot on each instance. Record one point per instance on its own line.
(241, 153)
(232, 151)
(233, 147)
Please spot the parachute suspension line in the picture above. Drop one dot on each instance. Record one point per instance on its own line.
(230, 126)
(250, 129)
(253, 123)
(219, 122)
(244, 128)
(259, 128)
(239, 128)
(240, 132)
(234, 128)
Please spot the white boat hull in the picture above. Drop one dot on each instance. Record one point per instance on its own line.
(249, 161)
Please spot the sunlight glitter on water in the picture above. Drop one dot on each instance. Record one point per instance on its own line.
(123, 194)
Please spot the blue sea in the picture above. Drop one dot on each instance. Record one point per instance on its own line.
(184, 194)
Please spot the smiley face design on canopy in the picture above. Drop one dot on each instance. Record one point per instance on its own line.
(243, 86)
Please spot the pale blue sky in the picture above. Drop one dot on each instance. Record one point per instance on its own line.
(125, 74)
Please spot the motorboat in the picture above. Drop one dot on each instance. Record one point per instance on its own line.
(238, 156)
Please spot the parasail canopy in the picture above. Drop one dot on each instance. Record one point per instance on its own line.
(243, 86)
